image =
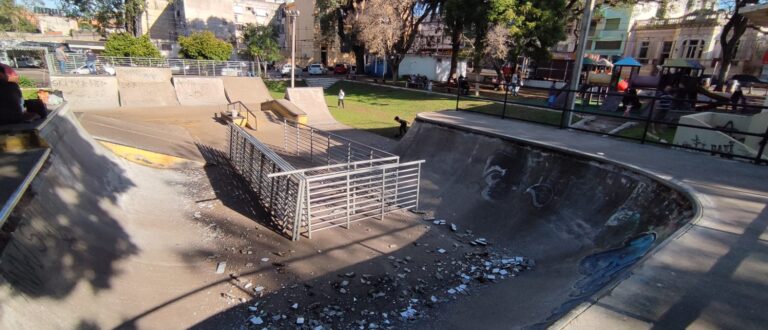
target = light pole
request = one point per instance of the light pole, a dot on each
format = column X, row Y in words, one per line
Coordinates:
column 570, row 104
column 293, row 13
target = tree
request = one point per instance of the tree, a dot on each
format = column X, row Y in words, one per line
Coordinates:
column 261, row 43
column 110, row 14
column 733, row 30
column 340, row 19
column 126, row 45
column 389, row 27
column 457, row 16
column 12, row 18
column 204, row 46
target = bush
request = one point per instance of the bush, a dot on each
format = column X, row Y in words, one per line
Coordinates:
column 204, row 46
column 126, row 45
column 25, row 82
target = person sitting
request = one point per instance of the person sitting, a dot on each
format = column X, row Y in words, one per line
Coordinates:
column 12, row 103
column 630, row 102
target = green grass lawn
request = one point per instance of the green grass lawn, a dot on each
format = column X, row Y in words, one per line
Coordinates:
column 374, row 108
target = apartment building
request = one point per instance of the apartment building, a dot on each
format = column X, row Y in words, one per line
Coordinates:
column 166, row 20
column 310, row 48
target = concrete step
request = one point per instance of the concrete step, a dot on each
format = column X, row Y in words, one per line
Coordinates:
column 320, row 82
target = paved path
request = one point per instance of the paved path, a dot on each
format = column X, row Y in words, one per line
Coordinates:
column 712, row 274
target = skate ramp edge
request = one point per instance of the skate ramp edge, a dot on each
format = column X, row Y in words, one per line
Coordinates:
column 145, row 87
column 88, row 92
column 311, row 100
column 285, row 109
column 249, row 90
column 558, row 206
column 197, row 91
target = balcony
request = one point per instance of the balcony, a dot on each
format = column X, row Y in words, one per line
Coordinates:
column 692, row 20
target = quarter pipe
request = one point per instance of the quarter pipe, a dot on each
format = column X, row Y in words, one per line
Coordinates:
column 145, row 87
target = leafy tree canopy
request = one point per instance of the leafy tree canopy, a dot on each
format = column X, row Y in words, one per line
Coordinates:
column 204, row 46
column 261, row 43
column 13, row 18
column 110, row 14
column 126, row 45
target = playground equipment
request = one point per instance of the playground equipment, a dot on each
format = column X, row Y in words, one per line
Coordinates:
column 611, row 102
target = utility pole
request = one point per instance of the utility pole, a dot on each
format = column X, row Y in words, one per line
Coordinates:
column 578, row 62
column 293, row 14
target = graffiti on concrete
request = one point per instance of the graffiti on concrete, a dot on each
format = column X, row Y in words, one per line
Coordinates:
column 541, row 193
column 498, row 176
column 698, row 143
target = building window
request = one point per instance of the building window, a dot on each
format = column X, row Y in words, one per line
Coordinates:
column 592, row 28
column 166, row 47
column 693, row 48
column 612, row 24
column 608, row 45
column 666, row 51
column 643, row 52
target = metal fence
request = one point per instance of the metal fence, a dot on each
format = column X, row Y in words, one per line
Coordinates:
column 77, row 64
column 712, row 126
column 339, row 181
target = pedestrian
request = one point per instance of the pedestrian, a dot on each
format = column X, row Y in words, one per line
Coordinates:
column 403, row 127
column 61, row 57
column 90, row 61
column 341, row 99
column 737, row 97
column 552, row 96
column 663, row 105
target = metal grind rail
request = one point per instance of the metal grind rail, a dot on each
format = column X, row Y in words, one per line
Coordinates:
column 354, row 181
column 323, row 148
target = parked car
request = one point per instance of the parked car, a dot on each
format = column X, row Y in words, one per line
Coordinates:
column 746, row 80
column 341, row 68
column 316, row 68
column 231, row 72
column 285, row 70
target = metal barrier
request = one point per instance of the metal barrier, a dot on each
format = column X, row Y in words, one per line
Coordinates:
column 646, row 124
column 340, row 182
column 76, row 64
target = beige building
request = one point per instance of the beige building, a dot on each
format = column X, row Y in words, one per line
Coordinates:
column 309, row 46
column 166, row 20
column 695, row 36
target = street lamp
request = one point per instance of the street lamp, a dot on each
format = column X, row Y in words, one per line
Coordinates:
column 293, row 13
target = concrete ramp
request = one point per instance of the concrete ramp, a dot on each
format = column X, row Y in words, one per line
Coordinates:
column 145, row 87
column 311, row 100
column 196, row 91
column 246, row 89
column 88, row 92
column 584, row 221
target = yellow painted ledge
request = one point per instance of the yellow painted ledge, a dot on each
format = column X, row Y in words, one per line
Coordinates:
column 150, row 158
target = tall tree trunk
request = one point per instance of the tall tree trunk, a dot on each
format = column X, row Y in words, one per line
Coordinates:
column 359, row 51
column 455, row 45
column 732, row 31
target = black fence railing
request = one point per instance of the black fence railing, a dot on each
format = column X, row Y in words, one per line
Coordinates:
column 715, row 125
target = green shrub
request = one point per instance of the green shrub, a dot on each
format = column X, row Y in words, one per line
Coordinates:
column 25, row 82
column 126, row 45
column 204, row 46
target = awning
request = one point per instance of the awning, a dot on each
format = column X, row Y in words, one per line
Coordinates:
column 79, row 44
column 628, row 61
column 757, row 14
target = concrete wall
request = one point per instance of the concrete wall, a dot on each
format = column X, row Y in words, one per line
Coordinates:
column 718, row 141
column 215, row 16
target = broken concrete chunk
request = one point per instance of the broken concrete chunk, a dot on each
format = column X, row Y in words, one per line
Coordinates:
column 440, row 250
column 256, row 320
column 299, row 320
column 295, row 306
column 264, row 259
column 221, row 267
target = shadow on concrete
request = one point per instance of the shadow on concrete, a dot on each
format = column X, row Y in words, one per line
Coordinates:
column 64, row 233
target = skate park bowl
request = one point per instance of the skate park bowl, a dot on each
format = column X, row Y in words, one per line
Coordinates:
column 586, row 222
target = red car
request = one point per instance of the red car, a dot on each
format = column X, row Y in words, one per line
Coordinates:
column 340, row 69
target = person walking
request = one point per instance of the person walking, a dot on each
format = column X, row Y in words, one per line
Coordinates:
column 90, row 61
column 403, row 127
column 341, row 99
column 61, row 57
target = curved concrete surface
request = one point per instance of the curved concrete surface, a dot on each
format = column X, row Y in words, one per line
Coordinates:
column 584, row 222
column 88, row 92
column 311, row 100
column 198, row 91
column 249, row 90
column 145, row 87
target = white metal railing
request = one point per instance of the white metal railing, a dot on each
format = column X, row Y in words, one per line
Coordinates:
column 341, row 182
column 76, row 64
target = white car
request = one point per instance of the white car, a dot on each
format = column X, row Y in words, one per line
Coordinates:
column 285, row 70
column 316, row 68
